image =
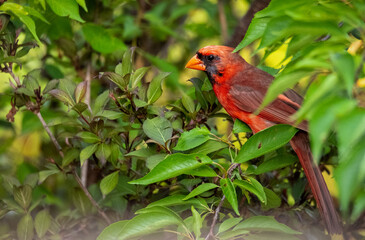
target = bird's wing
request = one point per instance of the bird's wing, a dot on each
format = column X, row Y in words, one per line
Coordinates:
column 249, row 99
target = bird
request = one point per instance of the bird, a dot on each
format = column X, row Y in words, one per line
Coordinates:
column 240, row 88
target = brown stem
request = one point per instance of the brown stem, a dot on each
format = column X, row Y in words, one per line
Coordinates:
column 88, row 195
column 245, row 21
column 215, row 218
column 222, row 21
column 85, row 166
column 50, row 134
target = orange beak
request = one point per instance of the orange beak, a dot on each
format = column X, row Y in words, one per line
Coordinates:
column 195, row 63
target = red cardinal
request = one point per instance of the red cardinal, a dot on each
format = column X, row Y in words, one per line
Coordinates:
column 240, row 88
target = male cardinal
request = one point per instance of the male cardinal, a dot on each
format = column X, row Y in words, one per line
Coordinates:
column 240, row 88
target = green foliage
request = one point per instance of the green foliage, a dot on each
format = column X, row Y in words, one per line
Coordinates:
column 156, row 159
column 316, row 48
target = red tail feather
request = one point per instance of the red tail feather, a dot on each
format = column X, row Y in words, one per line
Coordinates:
column 300, row 144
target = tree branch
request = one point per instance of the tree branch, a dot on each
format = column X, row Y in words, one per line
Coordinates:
column 88, row 195
column 245, row 21
column 50, row 134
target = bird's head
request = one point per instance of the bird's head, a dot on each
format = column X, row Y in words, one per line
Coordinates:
column 219, row 62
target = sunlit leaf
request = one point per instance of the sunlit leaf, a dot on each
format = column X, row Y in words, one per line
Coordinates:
column 265, row 141
column 174, row 165
column 230, row 192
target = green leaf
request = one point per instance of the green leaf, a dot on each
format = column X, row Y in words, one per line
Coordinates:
column 108, row 183
column 230, row 192
column 174, row 165
column 23, row 195
column 32, row 179
column 239, row 127
column 228, row 224
column 101, row 40
column 113, row 231
column 126, row 67
column 23, row 16
column 275, row 163
column 68, row 86
column 81, row 202
column 253, row 186
column 265, row 141
column 88, row 137
column 209, row 147
column 350, row 174
column 109, row 114
column 203, row 171
column 62, row 96
column 87, row 152
column 80, row 91
column 177, row 200
column 265, row 223
column 273, row 201
column 345, row 66
column 103, row 152
column 119, row 80
column 65, row 8
column 197, row 222
column 198, row 83
column 82, row 4
column 70, row 155
column 158, row 129
column 138, row 75
column 192, row 139
column 255, row 30
column 43, row 175
column 79, row 107
column 25, row 228
column 350, row 129
column 100, row 102
column 323, row 118
column 143, row 224
column 201, row 189
column 155, row 159
column 42, row 223
column 32, row 11
column 50, row 86
column 188, row 103
column 155, row 90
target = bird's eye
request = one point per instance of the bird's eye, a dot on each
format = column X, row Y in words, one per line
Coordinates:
column 210, row 57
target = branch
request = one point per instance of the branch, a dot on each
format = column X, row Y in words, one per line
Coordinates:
column 215, row 218
column 50, row 134
column 222, row 21
column 245, row 21
column 88, row 195
column 85, row 166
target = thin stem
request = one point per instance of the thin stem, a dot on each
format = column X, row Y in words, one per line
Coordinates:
column 93, row 202
column 50, row 134
column 222, row 21
column 57, row 145
column 85, row 166
column 215, row 218
column 16, row 78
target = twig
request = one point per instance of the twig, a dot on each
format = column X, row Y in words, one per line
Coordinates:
column 85, row 166
column 50, row 134
column 93, row 202
column 57, row 145
column 16, row 78
column 245, row 21
column 217, row 210
column 222, row 21
column 215, row 218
